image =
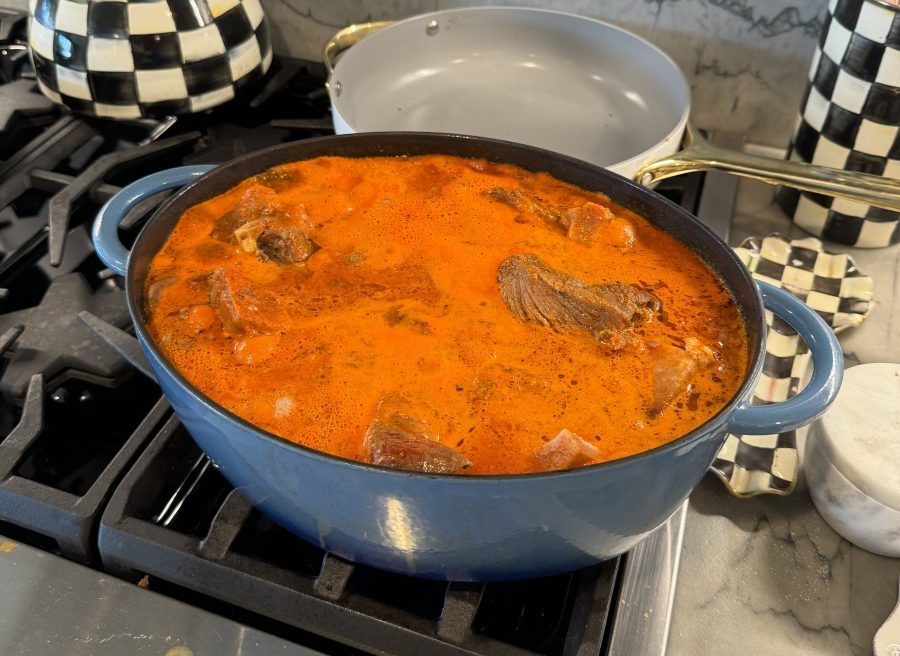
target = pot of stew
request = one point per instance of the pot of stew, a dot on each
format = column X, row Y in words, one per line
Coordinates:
column 447, row 356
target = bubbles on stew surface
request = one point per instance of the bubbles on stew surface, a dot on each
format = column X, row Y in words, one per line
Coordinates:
column 428, row 240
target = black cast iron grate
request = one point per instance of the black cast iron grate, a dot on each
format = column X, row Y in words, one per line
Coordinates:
column 218, row 545
column 58, row 464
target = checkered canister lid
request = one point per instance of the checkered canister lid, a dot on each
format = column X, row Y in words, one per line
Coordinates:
column 132, row 58
column 850, row 119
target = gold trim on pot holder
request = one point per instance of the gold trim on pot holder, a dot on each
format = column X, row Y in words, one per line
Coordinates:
column 830, row 284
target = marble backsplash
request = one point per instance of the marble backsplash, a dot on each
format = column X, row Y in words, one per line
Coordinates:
column 746, row 60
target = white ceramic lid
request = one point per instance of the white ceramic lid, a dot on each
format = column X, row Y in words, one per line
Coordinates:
column 860, row 433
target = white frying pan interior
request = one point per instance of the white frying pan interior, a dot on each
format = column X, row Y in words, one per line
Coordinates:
column 566, row 83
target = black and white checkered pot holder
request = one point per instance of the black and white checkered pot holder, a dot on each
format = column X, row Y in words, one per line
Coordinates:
column 831, row 285
column 126, row 59
column 850, row 119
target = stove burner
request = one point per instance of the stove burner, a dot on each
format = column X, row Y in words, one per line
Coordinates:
column 56, row 343
column 54, row 479
column 71, row 462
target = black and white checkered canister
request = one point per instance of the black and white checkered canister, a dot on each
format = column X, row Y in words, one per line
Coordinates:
column 130, row 58
column 850, row 119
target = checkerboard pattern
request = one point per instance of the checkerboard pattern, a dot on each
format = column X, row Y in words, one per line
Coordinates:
column 850, row 119
column 833, row 286
column 126, row 59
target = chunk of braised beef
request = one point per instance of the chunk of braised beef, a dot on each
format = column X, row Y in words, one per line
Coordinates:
column 537, row 293
column 406, row 281
column 285, row 243
column 400, row 440
column 582, row 222
column 392, row 445
column 565, row 451
column 525, row 203
column 156, row 287
column 257, row 206
column 430, row 179
column 239, row 305
column 587, row 224
column 592, row 223
column 225, row 225
column 258, row 202
column 673, row 370
column 279, row 177
column 282, row 239
column 704, row 355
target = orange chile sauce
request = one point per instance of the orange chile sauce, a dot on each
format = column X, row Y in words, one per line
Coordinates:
column 331, row 355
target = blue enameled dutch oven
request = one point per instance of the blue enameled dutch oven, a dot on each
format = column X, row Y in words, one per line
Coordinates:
column 455, row 526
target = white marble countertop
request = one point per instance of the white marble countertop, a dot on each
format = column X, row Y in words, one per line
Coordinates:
column 768, row 575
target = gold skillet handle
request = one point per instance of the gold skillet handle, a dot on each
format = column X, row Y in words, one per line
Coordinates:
column 700, row 155
column 347, row 37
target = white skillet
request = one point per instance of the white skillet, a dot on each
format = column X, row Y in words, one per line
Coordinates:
column 570, row 84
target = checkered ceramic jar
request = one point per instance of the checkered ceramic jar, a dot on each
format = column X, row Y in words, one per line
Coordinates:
column 132, row 58
column 850, row 119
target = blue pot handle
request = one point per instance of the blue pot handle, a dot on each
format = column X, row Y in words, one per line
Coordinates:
column 828, row 371
column 105, row 232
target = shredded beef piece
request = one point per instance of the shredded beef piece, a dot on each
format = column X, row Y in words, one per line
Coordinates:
column 566, row 450
column 537, row 293
column 241, row 307
column 522, row 201
column 673, row 370
column 400, row 440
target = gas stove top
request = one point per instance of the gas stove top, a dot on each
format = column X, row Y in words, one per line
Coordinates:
column 95, row 468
